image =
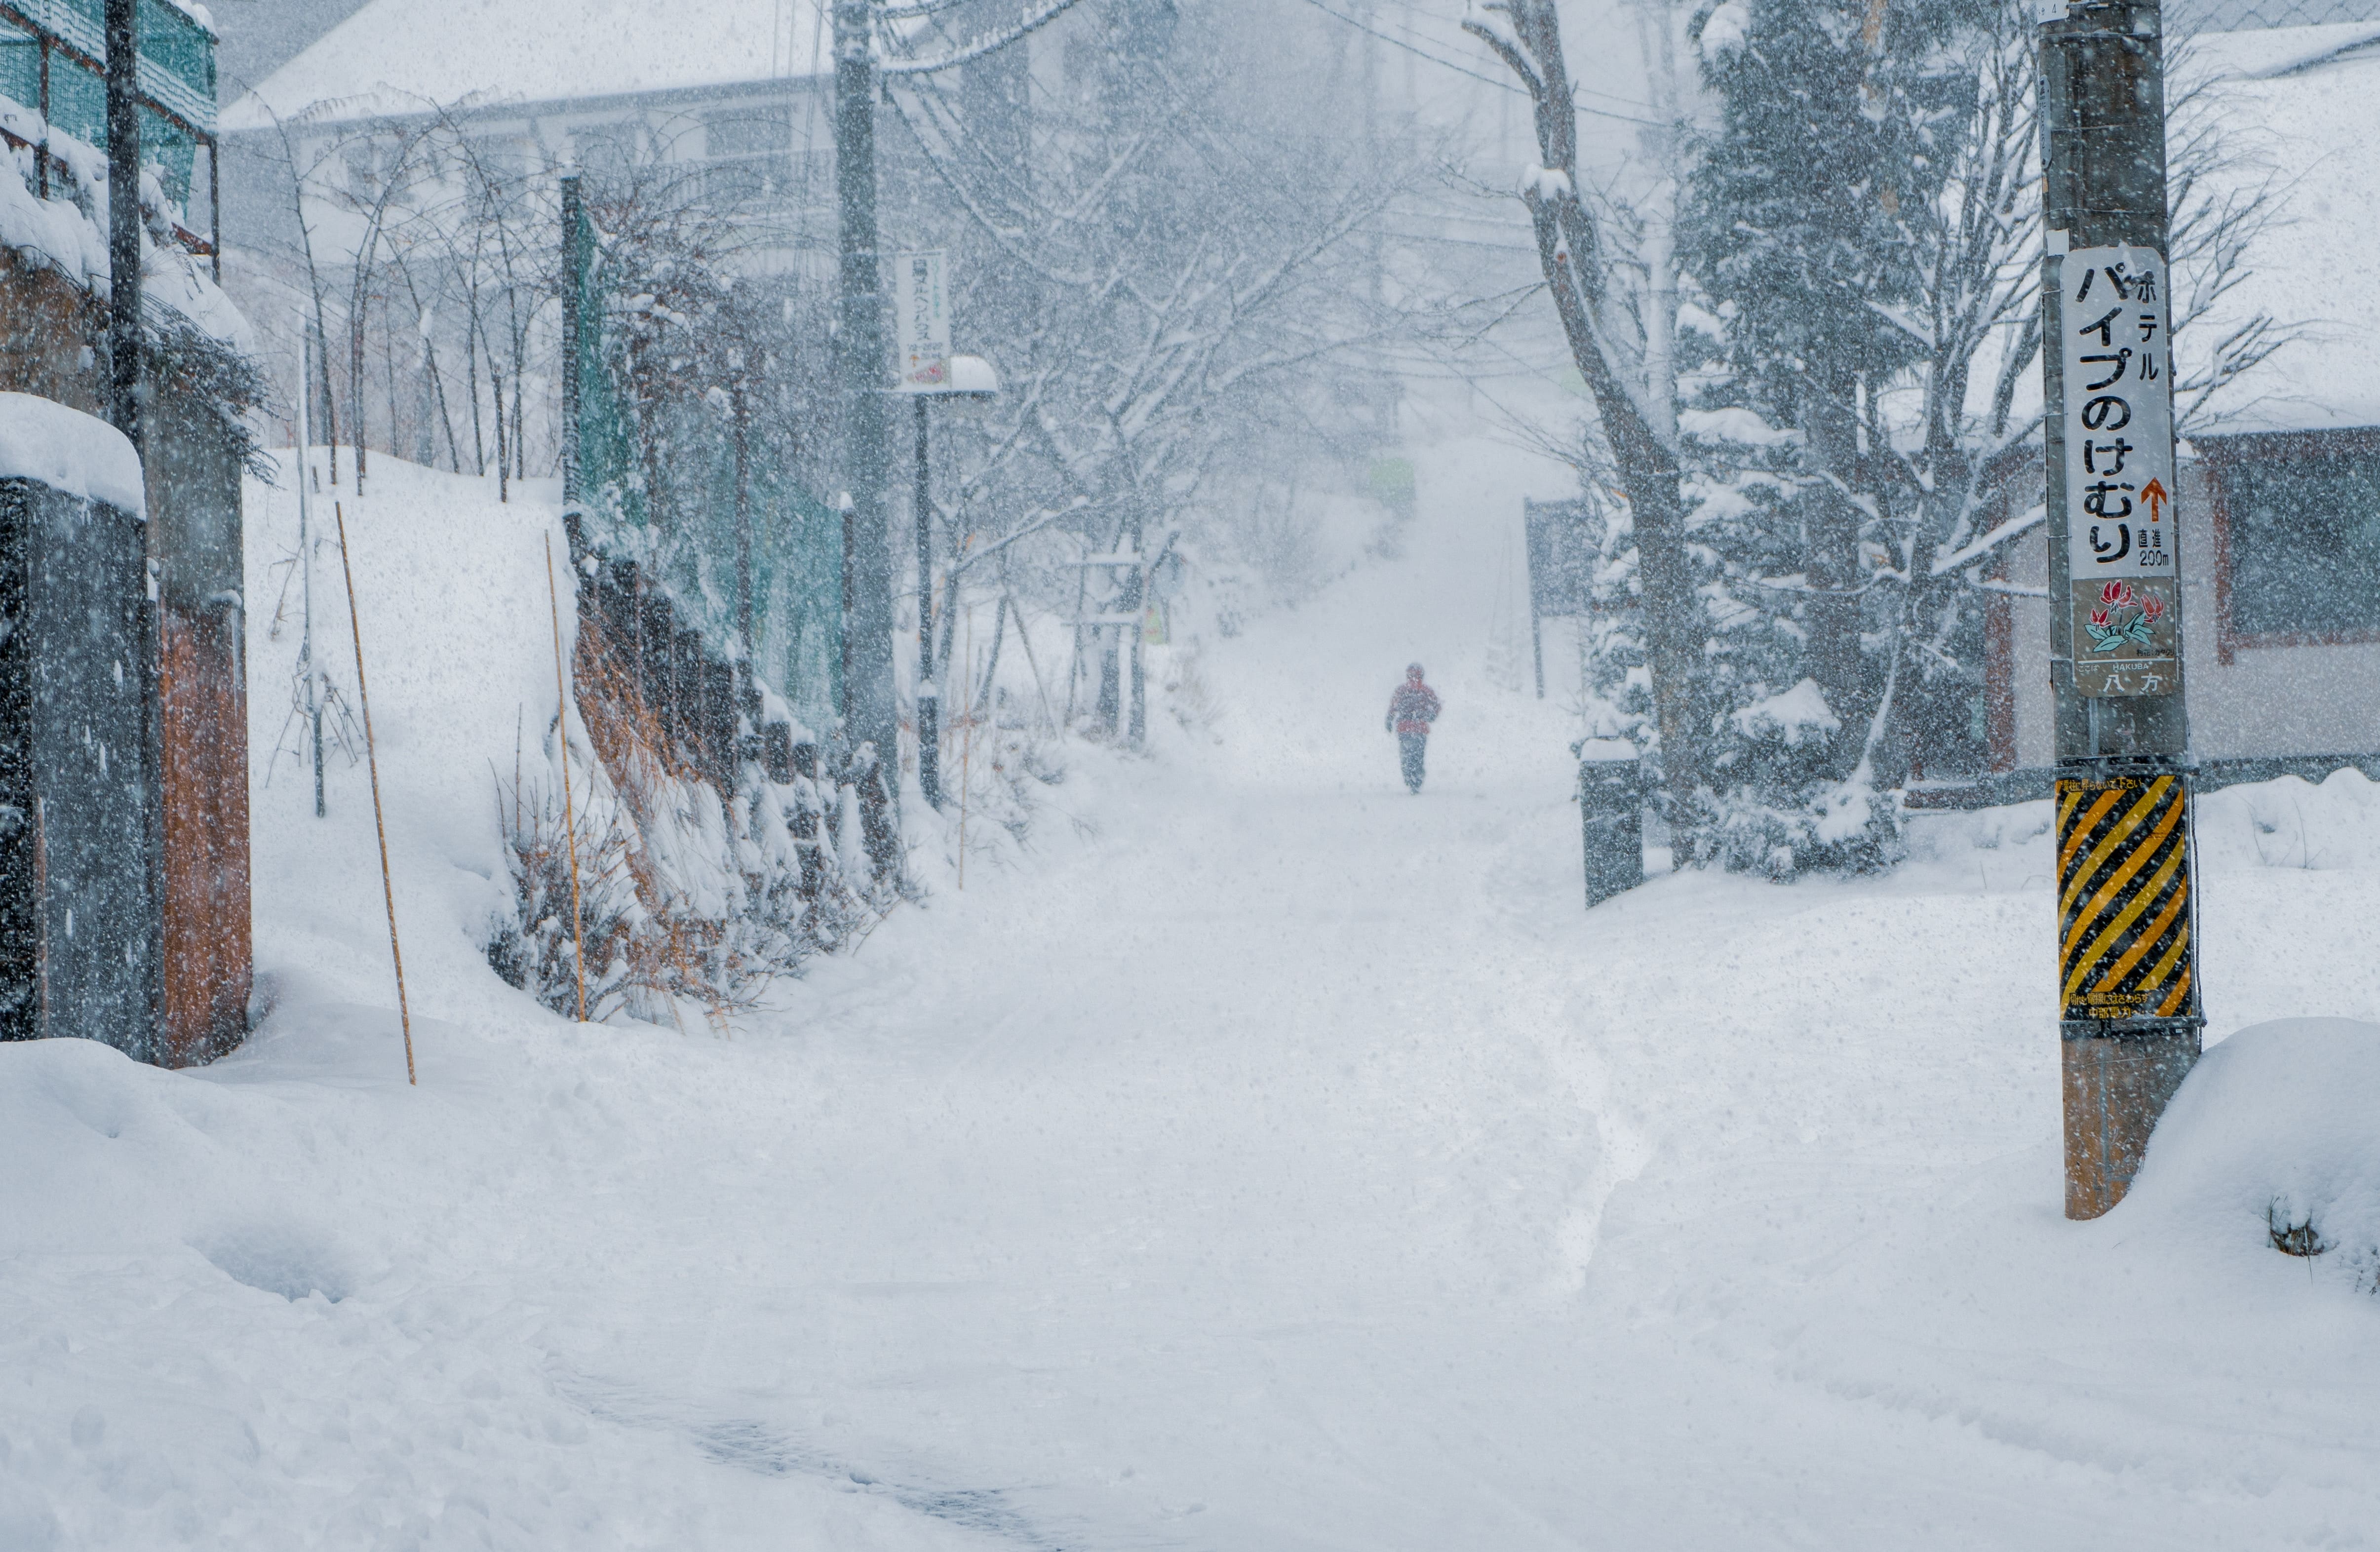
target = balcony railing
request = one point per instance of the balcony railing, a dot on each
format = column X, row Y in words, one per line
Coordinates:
column 53, row 60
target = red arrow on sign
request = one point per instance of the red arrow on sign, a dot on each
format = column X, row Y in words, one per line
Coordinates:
column 2155, row 494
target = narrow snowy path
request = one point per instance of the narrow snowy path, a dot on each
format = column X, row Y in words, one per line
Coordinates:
column 1286, row 1162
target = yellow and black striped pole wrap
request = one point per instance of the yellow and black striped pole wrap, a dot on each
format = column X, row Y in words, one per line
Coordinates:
column 2123, row 899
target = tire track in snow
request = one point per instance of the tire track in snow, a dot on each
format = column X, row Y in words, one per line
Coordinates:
column 750, row 1445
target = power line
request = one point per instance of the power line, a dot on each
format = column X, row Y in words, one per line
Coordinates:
column 1411, row 31
column 1369, row 31
column 1398, row 42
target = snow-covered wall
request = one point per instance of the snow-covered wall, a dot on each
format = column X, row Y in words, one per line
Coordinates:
column 69, row 451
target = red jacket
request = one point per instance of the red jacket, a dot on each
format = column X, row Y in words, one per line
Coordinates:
column 1412, row 707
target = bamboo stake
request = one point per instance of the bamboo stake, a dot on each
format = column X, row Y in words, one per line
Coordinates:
column 569, row 820
column 371, row 763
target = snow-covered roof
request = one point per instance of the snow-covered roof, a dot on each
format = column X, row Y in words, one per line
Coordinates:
column 2237, row 16
column 2300, row 113
column 401, row 57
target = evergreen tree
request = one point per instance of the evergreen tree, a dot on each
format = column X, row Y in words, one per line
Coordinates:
column 1806, row 228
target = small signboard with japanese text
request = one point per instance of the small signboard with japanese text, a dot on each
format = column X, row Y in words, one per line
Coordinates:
column 2123, row 553
column 921, row 307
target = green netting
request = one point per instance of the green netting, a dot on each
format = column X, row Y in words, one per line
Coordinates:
column 178, row 61
column 796, row 539
column 21, row 67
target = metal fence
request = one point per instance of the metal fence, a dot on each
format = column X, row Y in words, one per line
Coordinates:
column 2239, row 16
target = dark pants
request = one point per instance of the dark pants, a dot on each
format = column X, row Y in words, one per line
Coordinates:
column 1410, row 746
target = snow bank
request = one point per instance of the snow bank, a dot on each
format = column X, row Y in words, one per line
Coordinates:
column 458, row 644
column 2278, row 1129
column 282, row 1305
column 69, row 451
column 1281, row 1160
column 2293, row 823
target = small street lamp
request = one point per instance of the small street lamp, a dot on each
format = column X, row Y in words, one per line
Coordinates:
column 971, row 382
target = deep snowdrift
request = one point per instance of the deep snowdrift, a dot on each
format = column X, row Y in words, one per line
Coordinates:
column 1258, row 1157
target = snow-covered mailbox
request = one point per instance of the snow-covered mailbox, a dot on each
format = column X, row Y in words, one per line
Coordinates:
column 79, row 941
column 181, row 783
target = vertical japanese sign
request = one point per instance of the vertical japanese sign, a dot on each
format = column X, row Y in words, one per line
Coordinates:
column 2123, row 539
column 921, row 305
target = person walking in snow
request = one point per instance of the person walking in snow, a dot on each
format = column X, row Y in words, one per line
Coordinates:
column 1411, row 710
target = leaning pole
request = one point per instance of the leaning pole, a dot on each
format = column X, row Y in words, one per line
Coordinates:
column 2129, row 1004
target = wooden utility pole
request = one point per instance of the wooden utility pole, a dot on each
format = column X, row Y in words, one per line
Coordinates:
column 2129, row 1017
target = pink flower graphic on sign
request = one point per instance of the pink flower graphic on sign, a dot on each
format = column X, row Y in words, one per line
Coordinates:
column 2123, row 618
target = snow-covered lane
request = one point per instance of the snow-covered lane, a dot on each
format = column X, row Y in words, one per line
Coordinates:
column 1265, row 1159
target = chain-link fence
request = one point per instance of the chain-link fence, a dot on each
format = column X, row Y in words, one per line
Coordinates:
column 2237, row 16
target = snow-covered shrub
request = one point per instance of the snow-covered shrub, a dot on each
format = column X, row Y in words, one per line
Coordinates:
column 538, row 949
column 679, row 895
column 1783, row 812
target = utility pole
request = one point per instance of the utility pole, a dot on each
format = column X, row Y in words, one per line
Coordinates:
column 869, row 716
column 2129, row 1010
column 124, row 219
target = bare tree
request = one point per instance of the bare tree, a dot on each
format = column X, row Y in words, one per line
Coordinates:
column 1160, row 288
column 1604, row 321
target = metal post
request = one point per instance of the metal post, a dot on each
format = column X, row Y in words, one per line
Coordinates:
column 929, row 731
column 41, row 152
column 1136, row 729
column 871, row 716
column 573, row 282
column 312, row 671
column 2129, row 996
column 214, row 206
column 124, row 219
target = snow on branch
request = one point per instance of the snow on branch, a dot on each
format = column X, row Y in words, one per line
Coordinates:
column 1968, row 554
column 990, row 43
column 1543, row 183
